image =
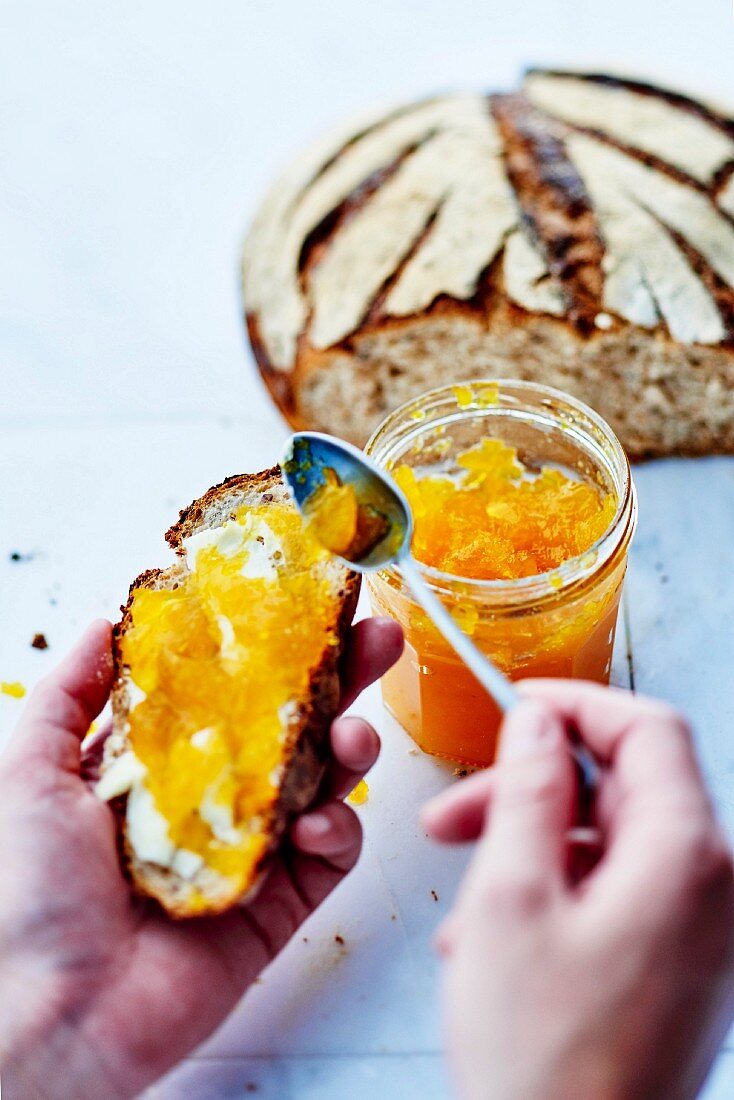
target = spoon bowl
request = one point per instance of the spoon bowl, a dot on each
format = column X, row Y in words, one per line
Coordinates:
column 307, row 457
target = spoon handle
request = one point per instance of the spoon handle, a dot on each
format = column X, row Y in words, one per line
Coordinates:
column 489, row 676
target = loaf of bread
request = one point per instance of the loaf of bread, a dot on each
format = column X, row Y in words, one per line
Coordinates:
column 227, row 679
column 578, row 233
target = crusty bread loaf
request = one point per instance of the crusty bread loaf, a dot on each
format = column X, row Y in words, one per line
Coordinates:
column 579, row 233
column 305, row 728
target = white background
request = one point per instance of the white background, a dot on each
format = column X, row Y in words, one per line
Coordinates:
column 135, row 142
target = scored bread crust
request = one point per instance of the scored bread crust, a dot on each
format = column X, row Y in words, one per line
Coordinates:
column 306, row 746
column 606, row 265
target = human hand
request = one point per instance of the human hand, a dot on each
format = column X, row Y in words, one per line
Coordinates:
column 100, row 993
column 615, row 986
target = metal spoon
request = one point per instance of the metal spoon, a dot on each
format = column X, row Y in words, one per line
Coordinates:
column 307, row 456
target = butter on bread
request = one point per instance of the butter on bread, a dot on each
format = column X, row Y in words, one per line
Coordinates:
column 227, row 680
column 578, row 232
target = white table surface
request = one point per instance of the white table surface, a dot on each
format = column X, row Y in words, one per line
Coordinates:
column 136, row 142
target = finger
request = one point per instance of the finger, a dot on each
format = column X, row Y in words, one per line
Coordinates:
column 648, row 742
column 91, row 753
column 532, row 805
column 66, row 702
column 602, row 715
column 332, row 832
column 459, row 813
column 655, row 810
column 374, row 646
column 355, row 747
column 324, row 845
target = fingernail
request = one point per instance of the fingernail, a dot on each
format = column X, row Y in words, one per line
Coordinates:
column 319, row 824
column 529, row 730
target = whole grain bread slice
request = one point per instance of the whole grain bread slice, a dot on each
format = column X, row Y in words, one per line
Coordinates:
column 305, row 745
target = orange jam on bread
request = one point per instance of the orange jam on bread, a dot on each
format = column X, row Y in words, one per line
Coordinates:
column 523, row 510
column 217, row 666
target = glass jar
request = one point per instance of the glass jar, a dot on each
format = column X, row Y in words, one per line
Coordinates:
column 559, row 624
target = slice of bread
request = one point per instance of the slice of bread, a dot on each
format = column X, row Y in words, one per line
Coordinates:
column 184, row 883
column 578, row 233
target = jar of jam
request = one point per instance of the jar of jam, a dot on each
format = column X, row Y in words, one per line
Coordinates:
column 524, row 508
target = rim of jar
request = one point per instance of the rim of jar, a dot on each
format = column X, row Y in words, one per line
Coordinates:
column 529, row 400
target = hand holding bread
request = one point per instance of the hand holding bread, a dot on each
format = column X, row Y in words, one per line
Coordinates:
column 100, row 993
column 617, row 983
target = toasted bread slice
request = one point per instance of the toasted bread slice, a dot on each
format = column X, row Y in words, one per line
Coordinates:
column 233, row 669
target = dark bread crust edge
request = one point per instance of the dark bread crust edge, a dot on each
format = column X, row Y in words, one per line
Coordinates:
column 190, row 517
column 306, row 747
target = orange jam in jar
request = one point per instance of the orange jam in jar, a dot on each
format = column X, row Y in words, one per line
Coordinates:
column 524, row 508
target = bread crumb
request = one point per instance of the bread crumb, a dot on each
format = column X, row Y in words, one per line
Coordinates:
column 339, row 939
column 434, row 895
column 461, row 773
column 39, row 641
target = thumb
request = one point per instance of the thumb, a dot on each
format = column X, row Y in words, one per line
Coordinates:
column 533, row 802
column 63, row 705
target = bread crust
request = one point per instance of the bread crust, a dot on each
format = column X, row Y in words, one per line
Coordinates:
column 663, row 394
column 306, row 746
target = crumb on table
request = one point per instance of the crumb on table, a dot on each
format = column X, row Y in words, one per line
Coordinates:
column 434, row 895
column 39, row 641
